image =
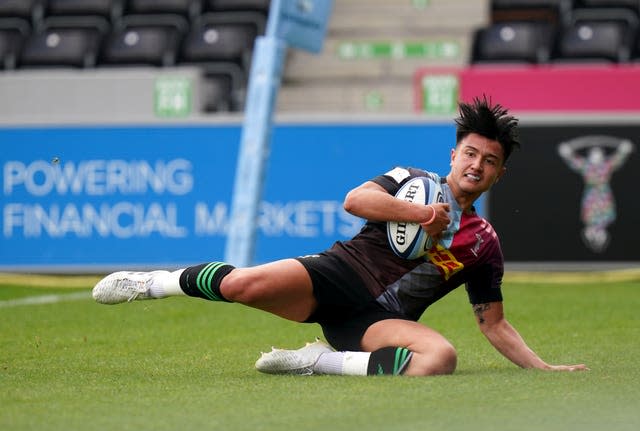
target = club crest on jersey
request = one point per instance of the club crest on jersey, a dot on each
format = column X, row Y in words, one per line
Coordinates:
column 444, row 260
column 476, row 248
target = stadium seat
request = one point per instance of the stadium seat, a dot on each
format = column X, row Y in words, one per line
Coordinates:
column 261, row 6
column 64, row 42
column 519, row 42
column 223, row 37
column 108, row 9
column 603, row 35
column 30, row 10
column 13, row 32
column 233, row 78
column 632, row 5
column 139, row 40
column 552, row 11
column 221, row 45
column 186, row 8
column 217, row 93
column 636, row 50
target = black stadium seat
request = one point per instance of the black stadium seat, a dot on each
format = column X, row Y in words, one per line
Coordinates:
column 30, row 10
column 13, row 32
column 186, row 8
column 632, row 5
column 217, row 93
column 221, row 44
column 237, row 5
column 64, row 42
column 144, row 40
column 603, row 35
column 636, row 50
column 223, row 37
column 551, row 11
column 519, row 42
column 105, row 8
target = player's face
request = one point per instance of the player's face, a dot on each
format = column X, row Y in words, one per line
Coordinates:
column 476, row 164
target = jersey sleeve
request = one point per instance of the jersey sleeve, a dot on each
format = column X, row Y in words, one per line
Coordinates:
column 484, row 284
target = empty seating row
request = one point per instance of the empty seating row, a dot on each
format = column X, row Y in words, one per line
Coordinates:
column 585, row 35
column 156, row 40
column 34, row 10
column 86, row 33
column 90, row 33
column 553, row 11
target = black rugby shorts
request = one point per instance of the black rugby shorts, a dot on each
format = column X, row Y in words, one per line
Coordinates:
column 345, row 307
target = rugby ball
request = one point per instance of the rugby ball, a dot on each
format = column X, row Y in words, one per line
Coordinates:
column 409, row 240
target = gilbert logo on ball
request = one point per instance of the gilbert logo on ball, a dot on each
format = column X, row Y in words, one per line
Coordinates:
column 409, row 240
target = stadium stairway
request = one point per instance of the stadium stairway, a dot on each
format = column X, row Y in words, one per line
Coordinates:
column 372, row 51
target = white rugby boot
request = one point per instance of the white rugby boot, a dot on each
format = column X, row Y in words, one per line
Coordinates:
column 126, row 286
column 301, row 361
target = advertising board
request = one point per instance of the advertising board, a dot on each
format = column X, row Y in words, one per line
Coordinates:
column 102, row 197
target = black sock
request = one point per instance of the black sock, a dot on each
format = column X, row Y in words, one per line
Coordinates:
column 203, row 281
column 389, row 360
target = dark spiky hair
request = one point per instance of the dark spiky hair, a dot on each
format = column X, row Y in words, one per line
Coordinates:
column 491, row 121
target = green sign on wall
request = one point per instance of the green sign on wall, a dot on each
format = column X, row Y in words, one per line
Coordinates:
column 172, row 97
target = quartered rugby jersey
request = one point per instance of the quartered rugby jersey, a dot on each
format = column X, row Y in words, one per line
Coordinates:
column 469, row 254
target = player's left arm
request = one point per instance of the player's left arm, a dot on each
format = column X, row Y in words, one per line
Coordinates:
column 504, row 337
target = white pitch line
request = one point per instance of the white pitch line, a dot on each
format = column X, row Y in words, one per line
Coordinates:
column 44, row 299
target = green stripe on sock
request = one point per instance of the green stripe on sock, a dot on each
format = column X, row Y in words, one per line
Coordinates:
column 396, row 361
column 400, row 359
column 205, row 276
column 210, row 276
column 200, row 284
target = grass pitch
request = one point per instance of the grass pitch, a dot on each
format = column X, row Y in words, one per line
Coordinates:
column 67, row 363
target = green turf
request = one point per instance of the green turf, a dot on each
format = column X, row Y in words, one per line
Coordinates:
column 185, row 364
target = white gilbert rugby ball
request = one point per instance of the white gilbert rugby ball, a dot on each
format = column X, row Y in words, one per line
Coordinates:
column 409, row 240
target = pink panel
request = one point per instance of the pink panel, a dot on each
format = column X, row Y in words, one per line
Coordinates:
column 549, row 88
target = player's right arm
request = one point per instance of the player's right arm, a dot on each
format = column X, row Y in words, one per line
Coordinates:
column 372, row 202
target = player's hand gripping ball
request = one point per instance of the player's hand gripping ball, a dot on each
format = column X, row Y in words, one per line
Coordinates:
column 409, row 240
